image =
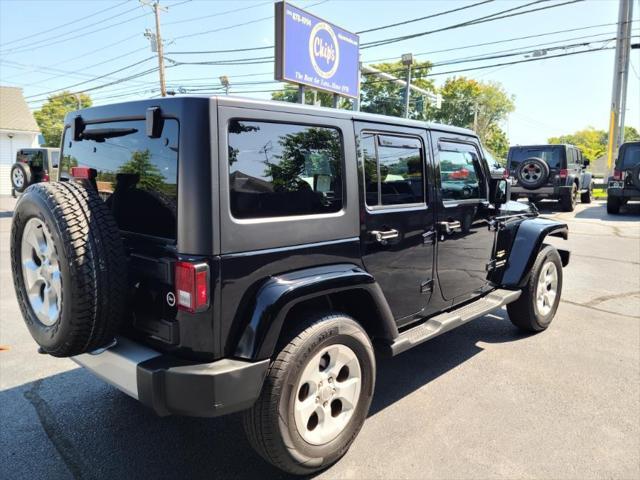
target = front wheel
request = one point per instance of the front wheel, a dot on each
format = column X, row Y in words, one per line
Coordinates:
column 316, row 396
column 587, row 197
column 536, row 307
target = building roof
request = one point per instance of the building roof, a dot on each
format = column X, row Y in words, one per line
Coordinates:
column 14, row 111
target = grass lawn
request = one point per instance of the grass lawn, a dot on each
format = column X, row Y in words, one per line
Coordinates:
column 599, row 193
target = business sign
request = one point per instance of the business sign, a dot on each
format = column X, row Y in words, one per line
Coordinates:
column 313, row 52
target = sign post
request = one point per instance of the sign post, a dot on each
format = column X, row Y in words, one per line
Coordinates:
column 312, row 52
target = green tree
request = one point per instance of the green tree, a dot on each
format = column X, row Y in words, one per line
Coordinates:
column 150, row 176
column 497, row 142
column 590, row 141
column 50, row 117
column 385, row 97
column 631, row 134
column 481, row 106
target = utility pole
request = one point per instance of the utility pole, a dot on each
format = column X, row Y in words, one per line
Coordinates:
column 620, row 77
column 158, row 42
column 407, row 61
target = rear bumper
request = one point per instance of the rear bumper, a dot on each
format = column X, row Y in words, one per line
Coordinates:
column 542, row 192
column 170, row 385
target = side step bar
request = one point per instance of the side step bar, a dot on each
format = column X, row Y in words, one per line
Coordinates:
column 447, row 321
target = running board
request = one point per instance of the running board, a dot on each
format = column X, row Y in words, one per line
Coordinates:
column 447, row 321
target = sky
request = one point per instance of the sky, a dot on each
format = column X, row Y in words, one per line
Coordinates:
column 47, row 45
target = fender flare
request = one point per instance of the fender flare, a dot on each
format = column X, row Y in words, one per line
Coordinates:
column 280, row 293
column 525, row 247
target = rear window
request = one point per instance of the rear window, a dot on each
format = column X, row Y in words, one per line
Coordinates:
column 33, row 158
column 137, row 175
column 552, row 156
column 631, row 156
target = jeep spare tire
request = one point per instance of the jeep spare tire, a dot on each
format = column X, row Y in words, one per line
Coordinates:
column 69, row 268
column 20, row 176
column 533, row 173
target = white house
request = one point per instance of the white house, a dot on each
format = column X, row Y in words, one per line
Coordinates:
column 18, row 129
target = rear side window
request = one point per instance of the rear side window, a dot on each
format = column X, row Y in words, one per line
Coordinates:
column 552, row 156
column 137, row 175
column 393, row 169
column 55, row 157
column 284, row 169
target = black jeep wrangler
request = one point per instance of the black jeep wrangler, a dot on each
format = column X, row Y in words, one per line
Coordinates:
column 554, row 172
column 212, row 255
column 33, row 165
column 624, row 185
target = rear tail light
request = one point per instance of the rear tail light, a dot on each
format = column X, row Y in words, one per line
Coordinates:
column 45, row 177
column 617, row 175
column 564, row 173
column 83, row 172
column 192, row 286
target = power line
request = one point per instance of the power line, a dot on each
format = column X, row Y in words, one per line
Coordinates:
column 48, row 41
column 229, row 27
column 413, row 20
column 219, row 14
column 32, row 35
column 68, row 87
column 506, row 40
column 234, row 50
column 488, row 18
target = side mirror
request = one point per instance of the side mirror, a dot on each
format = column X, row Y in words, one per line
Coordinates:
column 500, row 191
column 586, row 163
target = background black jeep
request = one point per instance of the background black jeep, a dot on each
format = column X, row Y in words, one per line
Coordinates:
column 624, row 185
column 554, row 172
column 34, row 165
column 213, row 255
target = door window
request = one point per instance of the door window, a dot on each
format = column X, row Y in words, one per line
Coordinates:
column 393, row 169
column 283, row 169
column 460, row 173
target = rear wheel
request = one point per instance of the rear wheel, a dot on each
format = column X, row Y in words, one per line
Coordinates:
column 68, row 267
column 568, row 202
column 536, row 307
column 613, row 205
column 316, row 396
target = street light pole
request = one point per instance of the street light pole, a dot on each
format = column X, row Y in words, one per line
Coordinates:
column 407, row 60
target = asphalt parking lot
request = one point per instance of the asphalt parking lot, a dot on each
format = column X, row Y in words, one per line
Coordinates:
column 482, row 401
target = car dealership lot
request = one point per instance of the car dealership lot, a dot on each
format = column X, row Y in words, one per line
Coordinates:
column 482, row 401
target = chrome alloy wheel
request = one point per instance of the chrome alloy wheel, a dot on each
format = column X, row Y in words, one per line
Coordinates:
column 41, row 272
column 327, row 394
column 531, row 173
column 547, row 288
column 18, row 178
